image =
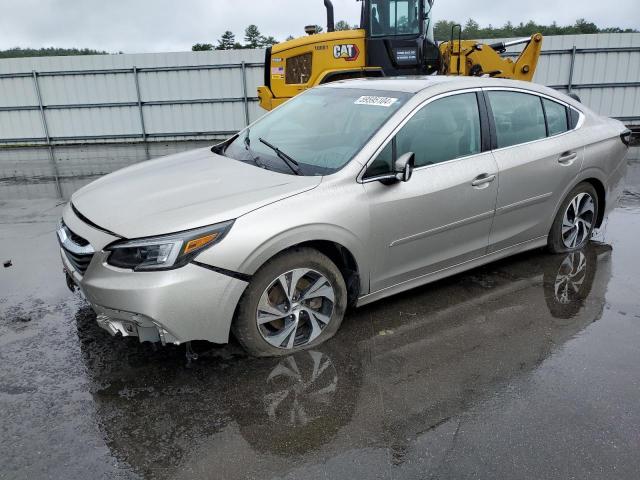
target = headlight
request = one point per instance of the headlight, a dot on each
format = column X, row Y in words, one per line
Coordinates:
column 167, row 251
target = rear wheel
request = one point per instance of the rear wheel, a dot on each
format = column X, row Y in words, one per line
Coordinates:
column 295, row 301
column 575, row 221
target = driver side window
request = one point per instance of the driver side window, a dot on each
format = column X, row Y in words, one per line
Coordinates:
column 443, row 130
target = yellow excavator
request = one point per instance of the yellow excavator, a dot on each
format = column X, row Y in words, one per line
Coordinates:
column 395, row 38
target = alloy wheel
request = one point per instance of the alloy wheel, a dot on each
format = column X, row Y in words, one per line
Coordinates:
column 295, row 308
column 577, row 221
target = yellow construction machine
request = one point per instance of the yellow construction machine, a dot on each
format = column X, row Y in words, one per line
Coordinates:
column 395, row 38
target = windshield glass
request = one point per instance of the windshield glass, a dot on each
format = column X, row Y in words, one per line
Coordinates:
column 394, row 17
column 321, row 130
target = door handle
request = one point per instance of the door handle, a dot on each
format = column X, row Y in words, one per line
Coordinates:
column 483, row 179
column 567, row 158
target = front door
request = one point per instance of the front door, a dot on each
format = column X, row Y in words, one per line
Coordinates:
column 442, row 216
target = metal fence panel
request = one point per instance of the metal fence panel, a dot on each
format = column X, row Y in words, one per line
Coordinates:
column 17, row 91
column 605, row 71
column 132, row 97
column 75, row 118
column 23, row 124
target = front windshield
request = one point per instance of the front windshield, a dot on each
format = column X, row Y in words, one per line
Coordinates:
column 394, row 17
column 321, row 129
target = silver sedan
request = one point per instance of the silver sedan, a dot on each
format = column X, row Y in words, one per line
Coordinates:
column 344, row 195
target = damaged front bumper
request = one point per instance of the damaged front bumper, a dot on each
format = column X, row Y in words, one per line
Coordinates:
column 176, row 306
column 126, row 324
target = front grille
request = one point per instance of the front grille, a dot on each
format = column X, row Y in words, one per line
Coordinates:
column 77, row 239
column 79, row 262
column 77, row 249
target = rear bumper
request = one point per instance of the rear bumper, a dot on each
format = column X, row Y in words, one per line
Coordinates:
column 174, row 306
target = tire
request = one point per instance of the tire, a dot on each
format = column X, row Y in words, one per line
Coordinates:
column 584, row 199
column 275, row 297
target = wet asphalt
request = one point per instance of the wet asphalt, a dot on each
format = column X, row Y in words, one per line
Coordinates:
column 528, row 368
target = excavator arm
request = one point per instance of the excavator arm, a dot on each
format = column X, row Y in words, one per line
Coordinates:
column 471, row 58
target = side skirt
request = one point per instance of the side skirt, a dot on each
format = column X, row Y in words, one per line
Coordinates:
column 454, row 269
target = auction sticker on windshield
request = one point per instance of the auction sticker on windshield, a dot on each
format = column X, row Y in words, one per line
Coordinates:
column 377, row 101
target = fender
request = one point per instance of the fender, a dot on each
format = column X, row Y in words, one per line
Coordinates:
column 247, row 262
column 308, row 233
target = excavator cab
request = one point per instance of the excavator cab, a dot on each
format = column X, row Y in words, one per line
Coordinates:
column 395, row 38
column 399, row 36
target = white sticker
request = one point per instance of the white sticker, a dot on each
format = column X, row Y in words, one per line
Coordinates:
column 377, row 101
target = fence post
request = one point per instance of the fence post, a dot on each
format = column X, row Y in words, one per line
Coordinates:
column 571, row 67
column 244, row 93
column 141, row 113
column 45, row 128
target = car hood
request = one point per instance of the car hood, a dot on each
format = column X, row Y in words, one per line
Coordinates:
column 182, row 191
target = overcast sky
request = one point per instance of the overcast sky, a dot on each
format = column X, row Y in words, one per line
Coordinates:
column 172, row 25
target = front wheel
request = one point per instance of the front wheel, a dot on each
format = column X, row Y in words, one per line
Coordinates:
column 575, row 221
column 295, row 301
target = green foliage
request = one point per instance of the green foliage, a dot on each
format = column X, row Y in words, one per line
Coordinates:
column 472, row 30
column 201, row 47
column 342, row 25
column 18, row 52
column 252, row 37
column 227, row 41
column 267, row 41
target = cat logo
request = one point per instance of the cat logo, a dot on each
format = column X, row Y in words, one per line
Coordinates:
column 349, row 52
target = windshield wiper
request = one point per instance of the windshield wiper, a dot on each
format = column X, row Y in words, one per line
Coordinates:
column 290, row 162
column 253, row 156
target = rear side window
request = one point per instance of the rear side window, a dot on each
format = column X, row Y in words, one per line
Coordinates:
column 556, row 117
column 518, row 117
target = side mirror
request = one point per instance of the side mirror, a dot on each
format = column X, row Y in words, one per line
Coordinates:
column 403, row 166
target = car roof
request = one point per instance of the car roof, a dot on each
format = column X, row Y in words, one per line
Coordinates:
column 415, row 84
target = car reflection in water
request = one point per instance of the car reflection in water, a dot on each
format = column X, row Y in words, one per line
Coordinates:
column 396, row 369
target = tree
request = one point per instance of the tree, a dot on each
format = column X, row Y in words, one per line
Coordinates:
column 17, row 52
column 290, row 37
column 342, row 25
column 582, row 26
column 252, row 37
column 201, row 47
column 267, row 41
column 442, row 30
column 227, row 41
column 471, row 29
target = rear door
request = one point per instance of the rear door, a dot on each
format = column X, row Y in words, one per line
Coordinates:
column 442, row 216
column 538, row 156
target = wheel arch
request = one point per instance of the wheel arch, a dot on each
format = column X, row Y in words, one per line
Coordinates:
column 594, row 177
column 344, row 260
column 602, row 197
column 341, row 246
